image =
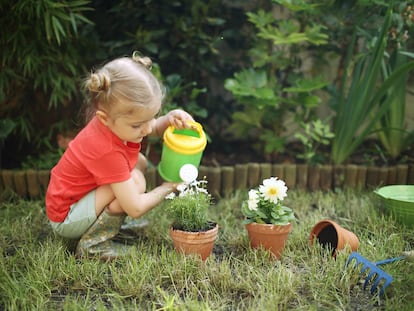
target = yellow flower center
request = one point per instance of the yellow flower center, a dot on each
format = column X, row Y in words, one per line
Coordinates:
column 272, row 191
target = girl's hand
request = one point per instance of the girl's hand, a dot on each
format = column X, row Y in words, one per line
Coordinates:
column 179, row 119
column 170, row 186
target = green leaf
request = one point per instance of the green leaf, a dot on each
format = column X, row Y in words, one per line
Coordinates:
column 261, row 214
column 57, row 29
column 6, row 127
column 307, row 85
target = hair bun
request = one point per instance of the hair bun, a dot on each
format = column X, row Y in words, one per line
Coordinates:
column 143, row 60
column 99, row 81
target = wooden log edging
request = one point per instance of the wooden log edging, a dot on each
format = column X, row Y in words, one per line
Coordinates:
column 223, row 181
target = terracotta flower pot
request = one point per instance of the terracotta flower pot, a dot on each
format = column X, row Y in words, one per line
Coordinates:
column 270, row 237
column 200, row 243
column 329, row 234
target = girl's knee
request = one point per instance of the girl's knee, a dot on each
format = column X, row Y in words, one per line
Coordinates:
column 142, row 164
column 114, row 208
column 139, row 179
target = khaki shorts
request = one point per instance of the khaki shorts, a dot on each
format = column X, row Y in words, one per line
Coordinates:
column 81, row 216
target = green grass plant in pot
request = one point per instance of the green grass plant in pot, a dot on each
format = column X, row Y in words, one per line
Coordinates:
column 191, row 230
column 268, row 221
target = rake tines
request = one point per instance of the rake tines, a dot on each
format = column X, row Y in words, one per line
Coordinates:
column 378, row 278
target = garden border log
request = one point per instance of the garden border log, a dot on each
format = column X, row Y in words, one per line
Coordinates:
column 278, row 171
column 351, row 175
column 372, row 176
column 382, row 176
column 325, row 181
column 410, row 177
column 43, row 177
column 392, row 175
column 214, row 181
column 222, row 181
column 338, row 176
column 265, row 170
column 227, row 180
column 253, row 176
column 314, row 177
column 202, row 171
column 33, row 186
column 302, row 176
column 362, row 177
column 402, row 172
column 20, row 183
column 240, row 176
column 8, row 179
column 290, row 175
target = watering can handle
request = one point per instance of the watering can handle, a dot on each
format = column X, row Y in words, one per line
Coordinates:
column 195, row 126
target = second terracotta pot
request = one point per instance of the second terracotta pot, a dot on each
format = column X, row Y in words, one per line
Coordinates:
column 329, row 234
column 199, row 243
column 270, row 237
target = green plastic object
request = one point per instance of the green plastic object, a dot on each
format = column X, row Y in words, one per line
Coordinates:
column 181, row 147
column 398, row 200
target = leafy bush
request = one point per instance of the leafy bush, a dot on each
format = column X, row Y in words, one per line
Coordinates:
column 315, row 134
column 41, row 67
column 44, row 161
column 41, row 62
column 276, row 82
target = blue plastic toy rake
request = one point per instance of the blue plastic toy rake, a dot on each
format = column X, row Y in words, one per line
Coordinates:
column 375, row 276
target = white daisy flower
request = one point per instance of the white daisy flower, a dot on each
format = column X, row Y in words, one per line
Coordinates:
column 181, row 187
column 253, row 200
column 170, row 196
column 273, row 189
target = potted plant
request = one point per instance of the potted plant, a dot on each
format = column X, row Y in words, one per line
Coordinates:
column 268, row 221
column 191, row 230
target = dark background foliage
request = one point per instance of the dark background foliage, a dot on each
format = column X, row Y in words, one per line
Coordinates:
column 48, row 47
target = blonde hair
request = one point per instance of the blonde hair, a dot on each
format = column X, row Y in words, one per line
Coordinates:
column 127, row 80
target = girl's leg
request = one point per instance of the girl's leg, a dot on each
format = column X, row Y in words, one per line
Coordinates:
column 105, row 197
column 97, row 240
column 132, row 227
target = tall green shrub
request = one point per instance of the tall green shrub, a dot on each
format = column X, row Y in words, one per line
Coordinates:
column 392, row 131
column 275, row 82
column 360, row 103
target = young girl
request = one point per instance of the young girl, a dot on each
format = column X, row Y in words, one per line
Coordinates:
column 99, row 179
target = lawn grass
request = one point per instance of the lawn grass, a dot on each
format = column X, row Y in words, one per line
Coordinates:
column 38, row 271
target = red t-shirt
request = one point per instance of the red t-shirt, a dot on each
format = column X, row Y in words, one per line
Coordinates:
column 95, row 157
